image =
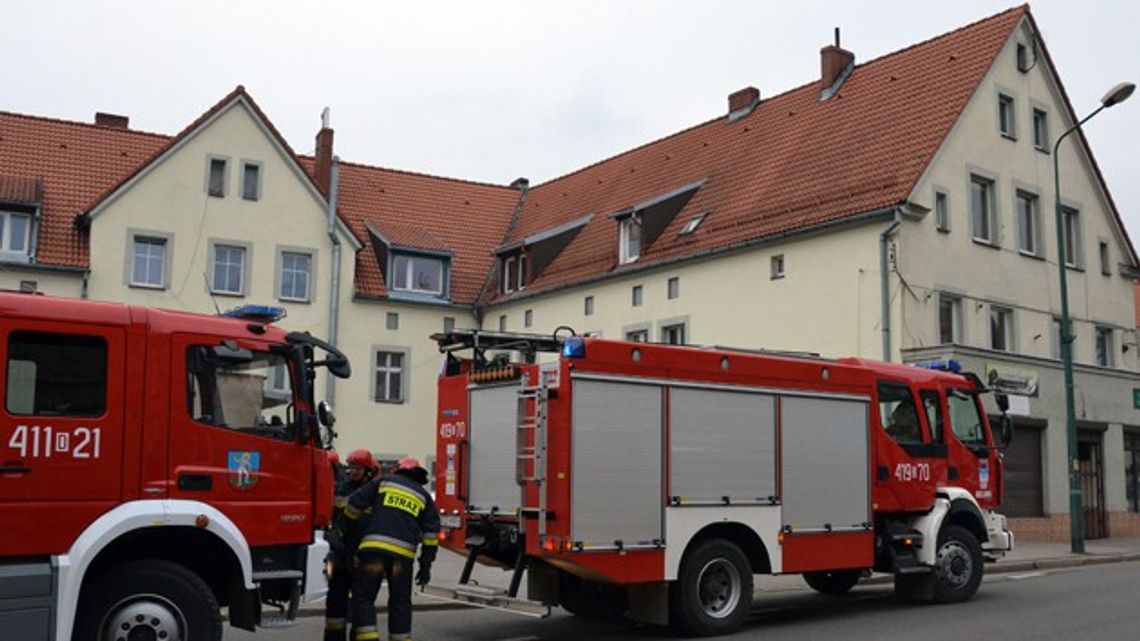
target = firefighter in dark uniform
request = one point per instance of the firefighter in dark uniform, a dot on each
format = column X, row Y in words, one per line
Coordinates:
column 403, row 516
column 360, row 469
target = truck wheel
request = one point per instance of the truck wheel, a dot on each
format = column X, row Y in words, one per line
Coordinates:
column 591, row 599
column 958, row 565
column 713, row 592
column 833, row 582
column 149, row 599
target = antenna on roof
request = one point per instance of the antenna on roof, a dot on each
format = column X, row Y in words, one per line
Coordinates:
column 837, row 36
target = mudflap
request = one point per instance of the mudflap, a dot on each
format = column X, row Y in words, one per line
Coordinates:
column 245, row 609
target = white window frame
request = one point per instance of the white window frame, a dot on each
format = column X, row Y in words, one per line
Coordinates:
column 387, row 370
column 1009, row 335
column 691, row 225
column 673, row 288
column 629, row 251
column 225, row 162
column 1028, row 223
column 502, row 322
column 448, row 324
column 955, row 301
column 1041, row 129
column 665, row 326
column 528, row 318
column 392, row 321
column 1071, row 220
column 1055, row 337
column 1105, row 258
column 987, row 217
column 777, row 267
column 941, row 210
column 588, row 306
column 1007, row 115
column 283, row 277
column 243, row 267
column 7, row 253
column 636, row 296
column 157, row 239
column 245, row 165
column 1103, row 342
column 410, row 271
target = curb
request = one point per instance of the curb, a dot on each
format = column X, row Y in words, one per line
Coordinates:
column 877, row 579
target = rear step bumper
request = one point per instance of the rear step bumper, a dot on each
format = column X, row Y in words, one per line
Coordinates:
column 486, row 597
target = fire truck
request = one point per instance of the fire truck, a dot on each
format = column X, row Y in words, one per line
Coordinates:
column 156, row 466
column 653, row 481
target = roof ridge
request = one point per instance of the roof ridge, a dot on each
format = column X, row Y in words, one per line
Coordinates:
column 1024, row 8
column 89, row 125
column 408, row 172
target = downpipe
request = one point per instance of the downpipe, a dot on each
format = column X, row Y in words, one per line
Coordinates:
column 334, row 302
column 885, row 285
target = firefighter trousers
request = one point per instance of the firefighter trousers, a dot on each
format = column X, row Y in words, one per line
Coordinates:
column 336, row 601
column 371, row 571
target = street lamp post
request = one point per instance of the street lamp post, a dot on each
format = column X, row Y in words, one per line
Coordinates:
column 1116, row 95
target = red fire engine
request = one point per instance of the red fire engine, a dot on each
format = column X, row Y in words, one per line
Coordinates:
column 655, row 480
column 155, row 466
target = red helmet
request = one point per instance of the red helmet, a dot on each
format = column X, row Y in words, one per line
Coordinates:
column 363, row 458
column 334, row 458
column 411, row 466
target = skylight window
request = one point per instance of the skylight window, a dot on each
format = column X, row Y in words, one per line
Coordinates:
column 691, row 225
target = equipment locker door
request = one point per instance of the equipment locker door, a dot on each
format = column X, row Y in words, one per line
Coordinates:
column 234, row 442
column 61, row 427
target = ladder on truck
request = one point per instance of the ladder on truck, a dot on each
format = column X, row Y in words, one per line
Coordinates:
column 530, row 467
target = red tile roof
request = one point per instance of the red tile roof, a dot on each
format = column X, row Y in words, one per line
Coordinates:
column 794, row 162
column 76, row 162
column 21, row 191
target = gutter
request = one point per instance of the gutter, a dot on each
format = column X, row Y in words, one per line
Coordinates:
column 334, row 302
column 884, row 281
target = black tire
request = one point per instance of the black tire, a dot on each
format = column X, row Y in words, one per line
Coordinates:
column 832, row 582
column 958, row 565
column 151, row 593
column 713, row 591
column 590, row 599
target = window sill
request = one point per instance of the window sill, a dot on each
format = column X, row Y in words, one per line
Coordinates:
column 146, row 286
column 250, row 198
column 1076, row 268
column 1044, row 150
column 942, row 230
column 215, row 195
column 1009, row 137
column 986, row 243
column 777, row 277
column 295, row 301
column 380, row 401
column 1029, row 254
column 214, row 292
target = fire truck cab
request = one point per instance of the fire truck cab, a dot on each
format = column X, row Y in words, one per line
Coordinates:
column 156, row 466
column 654, row 480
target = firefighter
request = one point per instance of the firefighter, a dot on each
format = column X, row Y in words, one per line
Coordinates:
column 403, row 516
column 360, row 469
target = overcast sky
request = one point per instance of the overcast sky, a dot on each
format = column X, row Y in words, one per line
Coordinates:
column 491, row 91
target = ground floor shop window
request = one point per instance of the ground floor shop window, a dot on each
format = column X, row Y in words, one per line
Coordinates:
column 1132, row 470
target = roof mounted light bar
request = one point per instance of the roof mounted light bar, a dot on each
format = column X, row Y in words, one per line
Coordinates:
column 256, row 313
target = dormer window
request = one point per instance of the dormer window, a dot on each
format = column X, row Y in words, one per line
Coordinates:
column 418, row 274
column 514, row 273
column 630, row 238
column 15, row 235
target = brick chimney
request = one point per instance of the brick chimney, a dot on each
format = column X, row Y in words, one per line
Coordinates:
column 833, row 61
column 112, row 121
column 322, row 167
column 741, row 103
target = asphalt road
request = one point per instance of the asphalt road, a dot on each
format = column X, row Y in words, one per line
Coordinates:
column 1094, row 602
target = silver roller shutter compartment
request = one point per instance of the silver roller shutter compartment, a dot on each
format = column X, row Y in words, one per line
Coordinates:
column 493, row 412
column 825, row 463
column 722, row 444
column 617, row 477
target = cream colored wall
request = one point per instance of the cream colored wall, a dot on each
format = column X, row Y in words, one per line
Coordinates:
column 932, row 261
column 50, row 283
column 828, row 302
column 406, row 428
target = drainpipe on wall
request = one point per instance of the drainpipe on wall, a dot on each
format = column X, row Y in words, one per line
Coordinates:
column 86, row 280
column 884, row 281
column 334, row 303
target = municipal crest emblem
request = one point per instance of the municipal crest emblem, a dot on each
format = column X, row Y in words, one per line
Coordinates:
column 244, row 467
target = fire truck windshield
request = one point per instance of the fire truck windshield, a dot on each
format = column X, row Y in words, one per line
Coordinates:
column 965, row 418
column 240, row 390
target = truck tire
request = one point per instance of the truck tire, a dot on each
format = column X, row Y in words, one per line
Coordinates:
column 591, row 599
column 958, row 565
column 833, row 582
column 713, row 591
column 144, row 599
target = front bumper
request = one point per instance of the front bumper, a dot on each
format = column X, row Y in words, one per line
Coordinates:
column 1001, row 539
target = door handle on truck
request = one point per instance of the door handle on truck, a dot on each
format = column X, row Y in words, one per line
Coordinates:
column 14, row 468
column 195, row 482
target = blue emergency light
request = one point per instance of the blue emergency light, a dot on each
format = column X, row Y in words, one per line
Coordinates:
column 574, row 347
column 941, row 365
column 257, row 313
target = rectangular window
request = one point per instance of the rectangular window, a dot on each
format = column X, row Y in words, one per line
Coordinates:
column 392, row 321
column 1001, row 329
column 503, row 323
column 932, row 403
column 229, row 269
column 238, row 389
column 390, row 373
column 1132, row 470
column 588, row 305
column 1055, row 336
column 965, row 419
column 15, row 232
column 296, row 271
column 510, row 275
column 1072, row 222
column 56, row 375
column 251, row 181
column 982, row 209
column 638, row 336
column 448, row 324
column 673, row 287
column 1007, row 123
column 29, row 286
column 777, row 266
column 1105, row 263
column 523, row 275
column 1040, row 130
column 1022, row 58
column 1104, row 353
column 630, row 239
column 673, row 334
column 148, row 263
column 1028, row 223
column 217, row 181
column 949, row 319
column 941, row 211
column 635, row 295
column 418, row 274
column 528, row 318
column 898, row 414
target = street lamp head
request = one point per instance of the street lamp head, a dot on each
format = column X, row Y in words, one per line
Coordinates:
column 1118, row 94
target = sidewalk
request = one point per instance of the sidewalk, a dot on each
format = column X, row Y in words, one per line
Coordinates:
column 1026, row 557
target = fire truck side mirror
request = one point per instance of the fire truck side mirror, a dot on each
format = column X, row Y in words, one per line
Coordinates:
column 1002, row 401
column 325, row 414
